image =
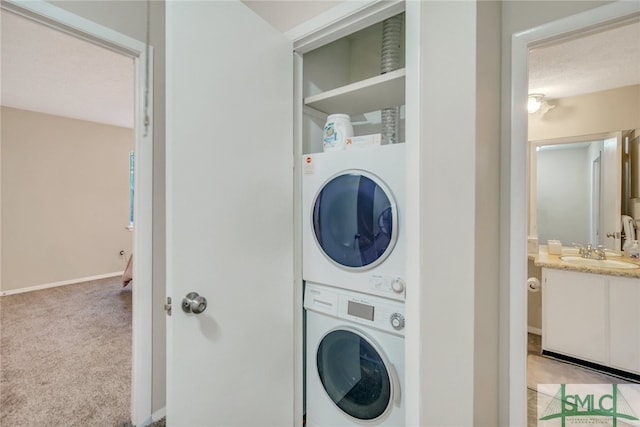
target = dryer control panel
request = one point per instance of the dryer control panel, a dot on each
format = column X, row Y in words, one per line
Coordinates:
column 372, row 311
column 393, row 285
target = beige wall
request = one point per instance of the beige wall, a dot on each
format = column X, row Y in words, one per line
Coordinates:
column 129, row 17
column 593, row 113
column 65, row 198
column 598, row 112
column 534, row 299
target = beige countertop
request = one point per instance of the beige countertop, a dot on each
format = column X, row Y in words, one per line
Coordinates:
column 546, row 260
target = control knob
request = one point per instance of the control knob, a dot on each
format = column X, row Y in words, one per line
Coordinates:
column 397, row 285
column 397, row 321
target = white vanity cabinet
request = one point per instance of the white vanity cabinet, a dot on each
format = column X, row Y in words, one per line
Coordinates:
column 574, row 314
column 624, row 323
column 592, row 317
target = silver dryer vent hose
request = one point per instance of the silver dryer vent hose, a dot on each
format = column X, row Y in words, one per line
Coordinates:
column 390, row 61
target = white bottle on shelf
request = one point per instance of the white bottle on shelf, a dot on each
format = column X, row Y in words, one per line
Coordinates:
column 336, row 131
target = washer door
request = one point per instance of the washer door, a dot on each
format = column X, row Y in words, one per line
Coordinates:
column 355, row 220
column 354, row 374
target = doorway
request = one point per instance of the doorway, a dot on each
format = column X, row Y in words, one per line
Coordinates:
column 516, row 272
column 142, row 55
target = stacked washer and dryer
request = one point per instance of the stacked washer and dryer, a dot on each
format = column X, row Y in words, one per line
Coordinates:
column 353, row 268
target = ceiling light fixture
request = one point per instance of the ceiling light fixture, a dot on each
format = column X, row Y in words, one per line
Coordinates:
column 536, row 102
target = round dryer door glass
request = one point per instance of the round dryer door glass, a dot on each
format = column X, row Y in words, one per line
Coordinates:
column 354, row 375
column 355, row 220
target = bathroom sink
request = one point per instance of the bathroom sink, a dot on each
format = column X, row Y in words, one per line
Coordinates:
column 574, row 251
column 602, row 263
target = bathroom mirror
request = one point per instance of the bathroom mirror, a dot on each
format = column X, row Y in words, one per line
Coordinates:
column 575, row 187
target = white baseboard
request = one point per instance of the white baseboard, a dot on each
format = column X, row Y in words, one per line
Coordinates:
column 156, row 416
column 159, row 414
column 144, row 423
column 63, row 283
column 536, row 331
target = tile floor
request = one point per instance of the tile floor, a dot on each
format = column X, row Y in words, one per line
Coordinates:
column 545, row 370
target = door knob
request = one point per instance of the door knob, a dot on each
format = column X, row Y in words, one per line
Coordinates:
column 194, row 303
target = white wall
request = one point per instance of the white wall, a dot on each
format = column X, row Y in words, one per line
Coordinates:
column 454, row 166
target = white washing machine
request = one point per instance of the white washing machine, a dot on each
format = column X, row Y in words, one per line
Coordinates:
column 354, row 359
column 353, row 219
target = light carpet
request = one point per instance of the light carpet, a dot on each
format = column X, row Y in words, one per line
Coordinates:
column 65, row 356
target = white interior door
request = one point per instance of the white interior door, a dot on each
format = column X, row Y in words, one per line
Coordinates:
column 610, row 210
column 229, row 217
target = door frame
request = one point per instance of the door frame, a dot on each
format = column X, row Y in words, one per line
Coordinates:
column 514, row 259
column 77, row 26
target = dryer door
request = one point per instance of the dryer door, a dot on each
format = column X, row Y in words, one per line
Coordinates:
column 354, row 220
column 355, row 375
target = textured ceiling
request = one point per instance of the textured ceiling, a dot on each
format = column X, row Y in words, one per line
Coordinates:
column 595, row 62
column 48, row 71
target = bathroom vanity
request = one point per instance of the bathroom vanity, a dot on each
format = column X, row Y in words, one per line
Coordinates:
column 591, row 311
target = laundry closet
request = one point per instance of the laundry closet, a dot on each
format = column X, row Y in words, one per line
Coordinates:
column 352, row 220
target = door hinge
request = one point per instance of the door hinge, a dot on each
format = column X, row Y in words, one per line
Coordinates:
column 167, row 306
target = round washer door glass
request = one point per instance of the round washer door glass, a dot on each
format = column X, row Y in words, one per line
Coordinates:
column 354, row 374
column 355, row 220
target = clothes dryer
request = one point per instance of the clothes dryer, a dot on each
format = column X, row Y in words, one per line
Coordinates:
column 354, row 359
column 353, row 219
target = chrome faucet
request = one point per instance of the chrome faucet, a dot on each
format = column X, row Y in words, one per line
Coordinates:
column 584, row 252
column 589, row 251
column 599, row 251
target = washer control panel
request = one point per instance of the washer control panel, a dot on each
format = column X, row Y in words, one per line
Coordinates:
column 397, row 321
column 373, row 311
